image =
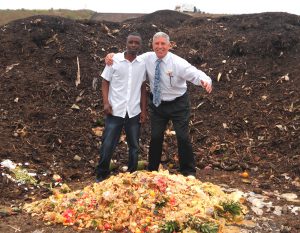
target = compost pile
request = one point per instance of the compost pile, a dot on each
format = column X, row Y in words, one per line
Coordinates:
column 143, row 202
column 51, row 113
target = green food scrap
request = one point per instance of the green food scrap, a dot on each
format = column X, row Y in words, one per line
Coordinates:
column 230, row 207
column 22, row 176
column 200, row 225
column 170, row 227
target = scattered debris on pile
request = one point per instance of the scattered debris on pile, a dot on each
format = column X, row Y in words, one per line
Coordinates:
column 19, row 174
column 143, row 202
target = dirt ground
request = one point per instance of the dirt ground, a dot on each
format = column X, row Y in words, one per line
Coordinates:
column 249, row 122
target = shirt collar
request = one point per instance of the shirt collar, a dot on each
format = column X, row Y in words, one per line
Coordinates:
column 138, row 58
column 121, row 57
column 165, row 58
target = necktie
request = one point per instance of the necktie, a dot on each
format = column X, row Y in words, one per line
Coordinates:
column 156, row 89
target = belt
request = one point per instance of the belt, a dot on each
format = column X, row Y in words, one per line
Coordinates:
column 168, row 101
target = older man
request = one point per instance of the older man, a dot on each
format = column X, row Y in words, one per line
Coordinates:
column 168, row 75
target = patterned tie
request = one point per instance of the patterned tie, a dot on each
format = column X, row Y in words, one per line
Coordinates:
column 156, row 89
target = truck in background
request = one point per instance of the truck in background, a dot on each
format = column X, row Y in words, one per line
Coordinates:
column 186, row 8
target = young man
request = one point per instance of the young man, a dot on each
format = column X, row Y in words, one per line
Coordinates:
column 167, row 75
column 124, row 102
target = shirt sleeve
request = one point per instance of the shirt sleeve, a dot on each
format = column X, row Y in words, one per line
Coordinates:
column 145, row 56
column 107, row 73
column 191, row 73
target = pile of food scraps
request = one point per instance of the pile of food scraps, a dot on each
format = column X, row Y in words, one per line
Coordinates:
column 143, row 202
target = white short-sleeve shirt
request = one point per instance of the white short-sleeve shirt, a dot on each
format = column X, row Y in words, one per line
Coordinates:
column 125, row 80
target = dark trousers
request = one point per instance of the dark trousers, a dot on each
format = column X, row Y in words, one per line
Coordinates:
column 110, row 139
column 178, row 111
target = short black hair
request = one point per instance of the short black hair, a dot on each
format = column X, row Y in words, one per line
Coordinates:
column 135, row 34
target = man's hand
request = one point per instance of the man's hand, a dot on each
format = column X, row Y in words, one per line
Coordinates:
column 109, row 59
column 107, row 109
column 207, row 86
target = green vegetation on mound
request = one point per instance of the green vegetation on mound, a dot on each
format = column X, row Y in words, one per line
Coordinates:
column 7, row 16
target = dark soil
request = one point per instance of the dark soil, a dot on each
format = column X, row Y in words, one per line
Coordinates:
column 249, row 122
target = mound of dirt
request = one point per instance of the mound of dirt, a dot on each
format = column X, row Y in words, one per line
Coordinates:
column 163, row 18
column 250, row 121
column 255, row 57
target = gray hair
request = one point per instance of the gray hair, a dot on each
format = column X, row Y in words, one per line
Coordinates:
column 161, row 34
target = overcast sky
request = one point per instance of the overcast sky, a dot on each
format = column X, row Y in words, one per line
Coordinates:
column 148, row 6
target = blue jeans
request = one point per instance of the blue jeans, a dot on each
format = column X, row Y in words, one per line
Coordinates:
column 110, row 139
